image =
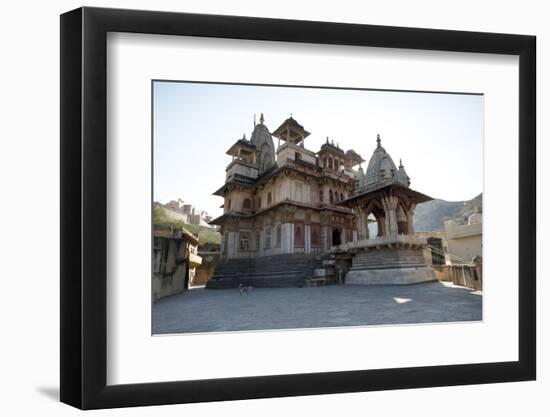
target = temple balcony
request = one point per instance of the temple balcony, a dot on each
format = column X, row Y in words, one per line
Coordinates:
column 290, row 152
column 242, row 168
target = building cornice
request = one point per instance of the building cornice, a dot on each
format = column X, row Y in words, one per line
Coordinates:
column 287, row 202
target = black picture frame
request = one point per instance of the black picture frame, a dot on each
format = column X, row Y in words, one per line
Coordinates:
column 84, row 207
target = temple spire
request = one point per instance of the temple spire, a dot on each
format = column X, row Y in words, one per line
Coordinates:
column 261, row 118
column 378, row 141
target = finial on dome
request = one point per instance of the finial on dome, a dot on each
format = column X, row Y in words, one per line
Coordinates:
column 327, row 139
column 400, row 163
column 291, row 115
column 244, row 136
column 261, row 118
column 378, row 141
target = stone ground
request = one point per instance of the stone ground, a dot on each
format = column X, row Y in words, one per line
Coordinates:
column 200, row 310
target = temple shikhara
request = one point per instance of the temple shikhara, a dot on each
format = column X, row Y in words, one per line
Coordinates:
column 292, row 215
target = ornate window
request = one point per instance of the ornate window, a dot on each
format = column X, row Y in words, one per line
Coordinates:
column 244, row 242
column 336, row 237
column 330, row 163
column 247, row 204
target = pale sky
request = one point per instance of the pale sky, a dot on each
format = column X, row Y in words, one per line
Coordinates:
column 438, row 136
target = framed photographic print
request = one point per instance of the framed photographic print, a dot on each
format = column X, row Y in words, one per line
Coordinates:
column 258, row 207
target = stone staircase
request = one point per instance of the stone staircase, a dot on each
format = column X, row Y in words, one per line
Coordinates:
column 289, row 270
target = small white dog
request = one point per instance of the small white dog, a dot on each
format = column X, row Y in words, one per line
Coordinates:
column 245, row 289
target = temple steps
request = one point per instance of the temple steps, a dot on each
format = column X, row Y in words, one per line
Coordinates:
column 269, row 271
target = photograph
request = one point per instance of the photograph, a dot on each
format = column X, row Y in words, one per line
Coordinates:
column 282, row 207
column 295, row 210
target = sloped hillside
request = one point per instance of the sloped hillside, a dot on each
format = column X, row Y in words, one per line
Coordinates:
column 430, row 216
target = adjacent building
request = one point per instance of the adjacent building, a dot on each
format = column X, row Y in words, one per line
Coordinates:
column 175, row 260
column 210, row 255
column 464, row 241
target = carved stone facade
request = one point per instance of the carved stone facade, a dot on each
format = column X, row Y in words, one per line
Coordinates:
column 303, row 202
column 287, row 201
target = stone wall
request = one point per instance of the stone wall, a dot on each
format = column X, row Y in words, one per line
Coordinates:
column 464, row 241
column 469, row 276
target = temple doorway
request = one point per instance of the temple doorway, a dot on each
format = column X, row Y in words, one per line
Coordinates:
column 336, row 237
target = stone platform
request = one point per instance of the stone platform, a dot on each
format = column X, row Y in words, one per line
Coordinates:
column 391, row 260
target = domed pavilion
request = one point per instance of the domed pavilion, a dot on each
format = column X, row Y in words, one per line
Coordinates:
column 382, row 195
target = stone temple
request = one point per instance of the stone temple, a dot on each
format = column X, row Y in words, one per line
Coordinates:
column 288, row 211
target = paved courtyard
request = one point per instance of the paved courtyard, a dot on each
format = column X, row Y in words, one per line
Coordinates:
column 200, row 310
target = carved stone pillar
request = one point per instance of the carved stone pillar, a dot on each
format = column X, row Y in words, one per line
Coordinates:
column 389, row 202
column 362, row 223
column 381, row 225
column 410, row 218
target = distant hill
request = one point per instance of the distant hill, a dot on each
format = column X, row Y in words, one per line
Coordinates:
column 430, row 216
column 167, row 217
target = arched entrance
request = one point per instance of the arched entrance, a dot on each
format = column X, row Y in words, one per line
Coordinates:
column 373, row 226
column 336, row 237
column 373, row 220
